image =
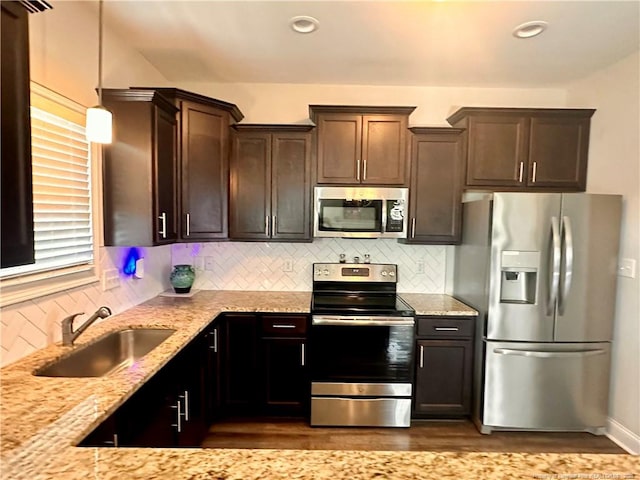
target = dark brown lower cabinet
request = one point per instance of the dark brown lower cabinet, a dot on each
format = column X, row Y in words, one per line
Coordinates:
column 286, row 388
column 444, row 360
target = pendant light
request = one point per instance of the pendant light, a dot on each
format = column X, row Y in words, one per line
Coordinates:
column 99, row 119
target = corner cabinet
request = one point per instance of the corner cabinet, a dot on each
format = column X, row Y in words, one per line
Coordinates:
column 270, row 178
column 444, row 361
column 361, row 145
column 139, row 170
column 436, row 188
column 17, row 241
column 532, row 149
column 203, row 163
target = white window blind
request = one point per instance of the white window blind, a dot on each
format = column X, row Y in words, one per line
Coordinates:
column 61, row 169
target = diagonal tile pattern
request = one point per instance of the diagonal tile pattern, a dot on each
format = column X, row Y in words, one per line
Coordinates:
column 30, row 325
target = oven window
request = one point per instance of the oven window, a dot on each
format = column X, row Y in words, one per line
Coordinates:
column 361, row 353
column 350, row 215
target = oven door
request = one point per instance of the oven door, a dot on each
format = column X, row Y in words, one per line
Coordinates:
column 361, row 349
column 361, row 371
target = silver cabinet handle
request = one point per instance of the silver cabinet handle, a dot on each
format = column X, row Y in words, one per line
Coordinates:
column 188, row 224
column 521, row 172
column 358, row 169
column 163, row 229
column 567, row 235
column 554, row 267
column 282, row 325
column 178, row 424
column 535, row 171
column 185, row 397
column 421, row 356
column 364, row 169
column 266, row 225
column 413, row 227
column 302, row 355
column 446, row 329
column 113, row 442
column 215, row 340
column 273, row 225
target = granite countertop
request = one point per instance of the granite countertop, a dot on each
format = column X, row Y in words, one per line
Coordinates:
column 42, row 419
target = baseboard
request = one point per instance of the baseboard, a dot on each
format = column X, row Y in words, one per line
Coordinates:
column 624, row 437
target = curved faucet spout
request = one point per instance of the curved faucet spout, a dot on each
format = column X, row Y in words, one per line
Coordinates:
column 69, row 335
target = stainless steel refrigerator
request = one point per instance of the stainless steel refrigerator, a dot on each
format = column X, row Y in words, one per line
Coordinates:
column 541, row 270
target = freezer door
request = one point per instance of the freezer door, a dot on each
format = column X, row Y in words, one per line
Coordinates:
column 524, row 267
column 590, row 235
column 562, row 386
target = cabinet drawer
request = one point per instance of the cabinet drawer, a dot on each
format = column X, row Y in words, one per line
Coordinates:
column 284, row 326
column 445, row 327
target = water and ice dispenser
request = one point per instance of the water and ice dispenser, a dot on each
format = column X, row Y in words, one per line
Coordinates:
column 519, row 276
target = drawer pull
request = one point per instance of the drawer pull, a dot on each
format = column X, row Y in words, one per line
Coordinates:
column 283, row 325
column 446, row 329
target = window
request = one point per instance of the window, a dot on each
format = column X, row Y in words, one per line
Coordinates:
column 62, row 195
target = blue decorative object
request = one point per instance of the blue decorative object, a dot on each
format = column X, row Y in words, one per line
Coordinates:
column 182, row 277
column 130, row 260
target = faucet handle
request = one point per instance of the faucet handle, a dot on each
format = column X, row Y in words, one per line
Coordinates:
column 70, row 318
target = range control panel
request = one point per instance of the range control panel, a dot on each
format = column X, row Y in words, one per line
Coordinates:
column 355, row 272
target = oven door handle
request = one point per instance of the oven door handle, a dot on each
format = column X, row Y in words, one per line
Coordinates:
column 362, row 321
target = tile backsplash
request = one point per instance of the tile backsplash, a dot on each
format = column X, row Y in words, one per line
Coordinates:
column 265, row 266
column 33, row 324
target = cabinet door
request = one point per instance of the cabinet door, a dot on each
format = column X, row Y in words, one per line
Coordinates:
column 290, row 186
column 443, row 377
column 384, row 149
column 497, row 150
column 286, row 388
column 339, row 148
column 250, row 199
column 15, row 158
column 436, row 190
column 204, row 171
column 240, row 367
column 165, row 177
column 558, row 149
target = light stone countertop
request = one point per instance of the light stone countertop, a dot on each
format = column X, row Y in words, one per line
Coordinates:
column 41, row 419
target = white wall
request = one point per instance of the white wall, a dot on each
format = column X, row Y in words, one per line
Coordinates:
column 286, row 103
column 614, row 167
column 64, row 52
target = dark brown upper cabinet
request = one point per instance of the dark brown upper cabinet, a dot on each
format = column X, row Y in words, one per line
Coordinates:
column 436, row 188
column 535, row 149
column 15, row 160
column 139, row 170
column 203, row 163
column 270, row 178
column 361, row 145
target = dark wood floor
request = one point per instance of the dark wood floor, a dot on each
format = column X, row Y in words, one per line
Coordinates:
column 456, row 436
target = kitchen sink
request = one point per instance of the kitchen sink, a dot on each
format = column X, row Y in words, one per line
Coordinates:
column 114, row 351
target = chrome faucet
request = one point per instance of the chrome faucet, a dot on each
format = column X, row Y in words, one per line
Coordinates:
column 69, row 335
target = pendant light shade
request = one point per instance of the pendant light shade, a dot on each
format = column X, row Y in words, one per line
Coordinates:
column 99, row 120
column 99, row 125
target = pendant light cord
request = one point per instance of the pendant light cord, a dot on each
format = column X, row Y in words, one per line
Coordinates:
column 100, row 53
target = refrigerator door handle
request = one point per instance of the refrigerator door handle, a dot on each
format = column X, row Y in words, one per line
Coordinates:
column 547, row 354
column 567, row 234
column 554, row 270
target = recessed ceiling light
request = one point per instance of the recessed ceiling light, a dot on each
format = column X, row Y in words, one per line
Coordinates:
column 304, row 24
column 530, row 29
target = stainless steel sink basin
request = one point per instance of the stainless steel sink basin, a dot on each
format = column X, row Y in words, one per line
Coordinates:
column 114, row 351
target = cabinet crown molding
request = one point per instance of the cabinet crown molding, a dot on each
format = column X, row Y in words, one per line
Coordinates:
column 463, row 112
column 272, row 127
column 314, row 110
column 142, row 95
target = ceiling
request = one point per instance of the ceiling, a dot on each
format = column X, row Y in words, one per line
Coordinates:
column 425, row 43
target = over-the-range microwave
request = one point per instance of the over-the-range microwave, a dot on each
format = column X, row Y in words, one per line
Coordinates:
column 360, row 212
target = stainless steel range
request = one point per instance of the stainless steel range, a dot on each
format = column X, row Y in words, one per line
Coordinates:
column 361, row 347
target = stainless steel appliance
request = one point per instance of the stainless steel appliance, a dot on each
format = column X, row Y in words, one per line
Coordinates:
column 360, row 347
column 541, row 270
column 360, row 212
